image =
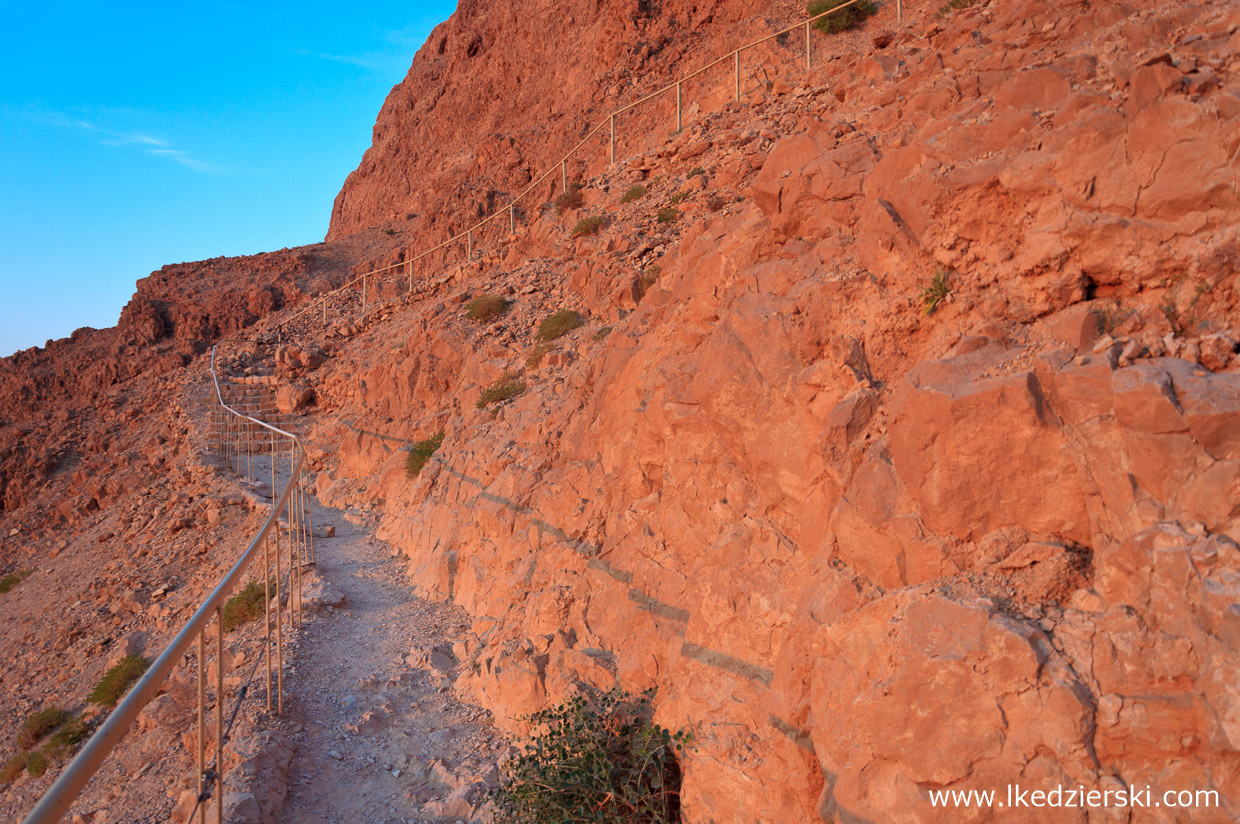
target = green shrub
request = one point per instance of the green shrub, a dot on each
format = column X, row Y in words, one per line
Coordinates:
column 667, row 215
column 486, row 308
column 680, row 197
column 421, row 453
column 36, row 764
column 537, row 354
column 508, row 386
column 66, row 740
column 951, row 6
column 13, row 768
column 938, row 289
column 117, row 680
column 636, row 193
column 570, row 199
column 37, row 726
column 715, row 202
column 588, row 225
column 10, row 581
column 559, row 324
column 389, row 231
column 694, row 172
column 602, row 333
column 244, row 607
column 839, row 21
column 598, row 760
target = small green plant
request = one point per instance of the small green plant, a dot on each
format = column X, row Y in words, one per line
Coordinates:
column 597, row 759
column 667, row 215
column 1108, row 317
column 558, row 325
column 486, row 308
column 844, row 19
column 14, row 767
column 635, row 193
column 1183, row 321
column 420, row 453
column 117, row 680
column 588, row 225
column 602, row 334
column 389, row 231
column 537, row 354
column 66, row 740
column 680, row 197
column 36, row 764
column 10, row 581
column 694, row 172
column 571, row 198
column 951, row 6
column 715, row 202
column 244, row 607
column 507, row 387
column 935, row 293
column 38, row 726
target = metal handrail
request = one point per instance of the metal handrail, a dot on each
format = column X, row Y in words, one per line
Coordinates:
column 65, row 790
column 608, row 119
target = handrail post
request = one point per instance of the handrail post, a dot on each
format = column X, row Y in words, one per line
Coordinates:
column 807, row 47
column 613, row 140
column 512, row 218
column 737, row 59
column 410, row 265
column 900, row 12
column 564, row 175
column 679, row 122
column 219, row 715
column 324, row 311
column 469, row 245
column 364, row 278
column 202, row 722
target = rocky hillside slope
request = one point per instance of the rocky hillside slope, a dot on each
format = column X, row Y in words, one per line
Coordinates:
column 899, row 455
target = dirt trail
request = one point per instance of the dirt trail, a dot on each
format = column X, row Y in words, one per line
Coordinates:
column 380, row 736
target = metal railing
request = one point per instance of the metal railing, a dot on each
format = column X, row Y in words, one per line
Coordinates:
column 321, row 303
column 242, row 436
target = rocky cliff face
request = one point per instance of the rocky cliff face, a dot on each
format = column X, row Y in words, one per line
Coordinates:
column 501, row 91
column 866, row 551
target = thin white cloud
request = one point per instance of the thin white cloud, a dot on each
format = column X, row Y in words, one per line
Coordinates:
column 149, row 144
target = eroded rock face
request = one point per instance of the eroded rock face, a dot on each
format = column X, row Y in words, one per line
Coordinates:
column 868, row 551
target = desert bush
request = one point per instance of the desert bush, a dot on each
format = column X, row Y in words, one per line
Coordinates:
column 595, row 759
column 936, row 292
column 36, row 764
column 845, row 19
column 12, row 580
column 117, row 680
column 694, row 172
column 635, row 193
column 571, row 198
column 667, row 215
column 244, row 607
column 507, row 387
column 537, row 354
column 559, row 324
column 13, row 768
column 602, row 334
column 38, row 726
column 486, row 308
column 588, row 226
column 715, row 202
column 680, row 197
column 420, row 453
column 66, row 740
column 951, row 6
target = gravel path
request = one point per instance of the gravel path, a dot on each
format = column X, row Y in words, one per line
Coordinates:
column 380, row 736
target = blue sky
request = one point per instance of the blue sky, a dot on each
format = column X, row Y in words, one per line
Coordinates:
column 134, row 135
